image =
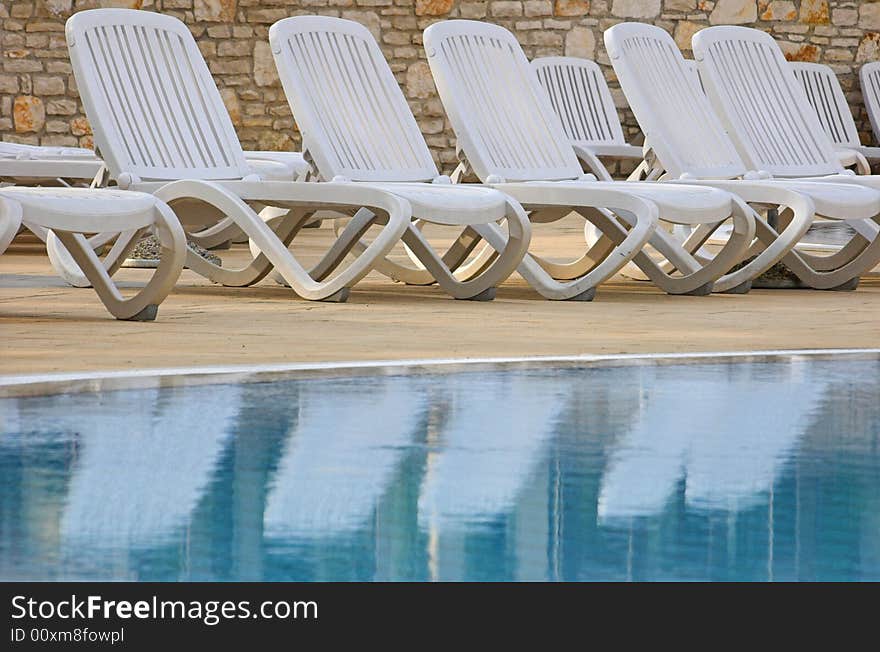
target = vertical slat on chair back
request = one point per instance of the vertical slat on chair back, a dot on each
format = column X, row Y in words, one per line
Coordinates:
column 825, row 94
column 675, row 116
column 581, row 98
column 694, row 72
column 764, row 107
column 150, row 98
column 354, row 118
column 869, row 78
column 504, row 121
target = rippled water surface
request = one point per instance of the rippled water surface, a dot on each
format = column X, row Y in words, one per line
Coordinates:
column 728, row 471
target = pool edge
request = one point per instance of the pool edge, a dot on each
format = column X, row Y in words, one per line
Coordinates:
column 23, row 385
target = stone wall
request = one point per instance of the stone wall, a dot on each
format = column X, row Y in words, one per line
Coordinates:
column 39, row 103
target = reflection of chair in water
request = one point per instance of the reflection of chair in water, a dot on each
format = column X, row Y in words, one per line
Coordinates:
column 10, row 420
column 728, row 446
column 492, row 443
column 147, row 458
column 730, row 468
column 342, row 455
column 648, row 462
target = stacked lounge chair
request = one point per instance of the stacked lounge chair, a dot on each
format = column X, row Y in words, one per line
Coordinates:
column 473, row 63
column 691, row 144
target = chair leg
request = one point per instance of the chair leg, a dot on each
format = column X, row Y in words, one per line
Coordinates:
column 743, row 233
column 66, row 267
column 775, row 245
column 850, row 250
column 143, row 306
column 286, row 224
column 453, row 259
column 216, row 235
column 772, row 246
column 863, row 258
column 346, row 241
column 583, row 288
column 464, row 271
column 10, row 221
column 393, row 270
column 511, row 248
column 595, row 254
column 643, row 267
column 698, row 279
column 456, row 257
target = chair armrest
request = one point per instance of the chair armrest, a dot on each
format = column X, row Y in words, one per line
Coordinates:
column 592, row 162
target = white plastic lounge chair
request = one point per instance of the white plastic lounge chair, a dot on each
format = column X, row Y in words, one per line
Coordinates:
column 848, row 158
column 39, row 152
column 869, row 78
column 356, row 123
column 689, row 143
column 825, row 94
column 823, row 90
column 511, row 138
column 582, row 100
column 24, row 164
column 744, row 67
column 45, row 163
column 827, row 98
column 329, row 484
column 40, row 164
column 161, row 126
column 144, row 463
column 27, row 165
column 72, row 212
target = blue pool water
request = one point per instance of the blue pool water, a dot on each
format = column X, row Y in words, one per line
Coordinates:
column 727, row 471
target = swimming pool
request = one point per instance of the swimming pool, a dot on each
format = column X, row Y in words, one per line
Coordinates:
column 722, row 470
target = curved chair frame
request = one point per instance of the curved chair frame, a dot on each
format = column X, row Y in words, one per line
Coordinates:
column 70, row 213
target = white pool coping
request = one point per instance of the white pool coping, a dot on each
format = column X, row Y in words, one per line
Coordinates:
column 99, row 381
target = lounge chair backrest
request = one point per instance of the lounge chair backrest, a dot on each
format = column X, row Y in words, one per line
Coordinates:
column 582, row 100
column 674, row 114
column 765, row 109
column 826, row 96
column 502, row 117
column 150, row 98
column 355, row 121
column 869, row 78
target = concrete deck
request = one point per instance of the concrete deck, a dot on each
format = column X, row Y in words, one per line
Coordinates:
column 46, row 326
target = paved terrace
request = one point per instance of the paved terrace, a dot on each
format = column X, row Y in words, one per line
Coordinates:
column 46, row 326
